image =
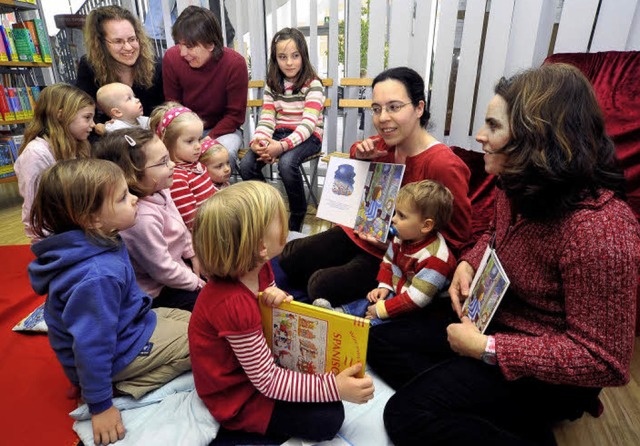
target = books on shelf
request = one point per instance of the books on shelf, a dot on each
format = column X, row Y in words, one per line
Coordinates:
column 43, row 40
column 361, row 194
column 18, row 103
column 311, row 339
column 6, row 159
column 6, row 34
column 487, row 289
column 24, row 44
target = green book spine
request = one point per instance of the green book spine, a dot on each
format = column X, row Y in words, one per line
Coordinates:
column 43, row 39
column 24, row 46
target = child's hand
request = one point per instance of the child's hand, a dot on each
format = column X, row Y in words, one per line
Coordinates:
column 377, row 294
column 259, row 145
column 195, row 265
column 107, row 426
column 371, row 312
column 352, row 389
column 274, row 296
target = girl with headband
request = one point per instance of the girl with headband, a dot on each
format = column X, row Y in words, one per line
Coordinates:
column 180, row 130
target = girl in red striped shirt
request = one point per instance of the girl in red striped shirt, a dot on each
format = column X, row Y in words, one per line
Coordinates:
column 290, row 125
column 180, row 129
column 236, row 232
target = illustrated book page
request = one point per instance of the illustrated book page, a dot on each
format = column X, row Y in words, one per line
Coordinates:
column 311, row 339
column 361, row 195
column 489, row 285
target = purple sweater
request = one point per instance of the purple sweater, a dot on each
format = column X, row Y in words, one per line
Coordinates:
column 570, row 308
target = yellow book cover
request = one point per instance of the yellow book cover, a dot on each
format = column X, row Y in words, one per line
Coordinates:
column 311, row 339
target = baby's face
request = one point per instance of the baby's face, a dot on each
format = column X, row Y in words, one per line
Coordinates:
column 128, row 104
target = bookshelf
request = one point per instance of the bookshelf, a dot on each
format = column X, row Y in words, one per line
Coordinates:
column 24, row 46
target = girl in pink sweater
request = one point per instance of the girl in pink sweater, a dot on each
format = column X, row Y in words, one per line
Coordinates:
column 159, row 244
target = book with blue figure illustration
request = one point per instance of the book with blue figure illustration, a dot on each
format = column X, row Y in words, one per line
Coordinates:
column 487, row 289
column 361, row 195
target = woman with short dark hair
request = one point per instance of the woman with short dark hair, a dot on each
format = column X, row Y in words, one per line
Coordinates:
column 203, row 75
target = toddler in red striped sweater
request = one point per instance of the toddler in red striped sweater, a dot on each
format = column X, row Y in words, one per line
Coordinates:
column 180, row 129
column 236, row 232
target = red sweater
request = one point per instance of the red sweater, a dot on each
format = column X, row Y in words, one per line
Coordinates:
column 234, row 370
column 437, row 163
column 217, row 91
column 570, row 308
column 191, row 186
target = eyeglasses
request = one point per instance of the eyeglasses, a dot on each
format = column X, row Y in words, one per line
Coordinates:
column 165, row 162
column 391, row 108
column 120, row 43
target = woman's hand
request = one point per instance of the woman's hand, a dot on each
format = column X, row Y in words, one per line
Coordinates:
column 107, row 426
column 372, row 240
column 366, row 150
column 465, row 339
column 352, row 389
column 274, row 296
column 460, row 284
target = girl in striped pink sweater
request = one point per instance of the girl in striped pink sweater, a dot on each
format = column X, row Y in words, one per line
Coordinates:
column 290, row 125
column 180, row 129
column 236, row 232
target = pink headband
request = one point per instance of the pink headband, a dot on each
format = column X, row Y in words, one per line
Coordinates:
column 207, row 144
column 169, row 116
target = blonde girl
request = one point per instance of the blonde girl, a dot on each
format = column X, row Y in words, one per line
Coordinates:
column 159, row 243
column 100, row 322
column 236, row 232
column 180, row 130
column 290, row 127
column 61, row 125
column 215, row 158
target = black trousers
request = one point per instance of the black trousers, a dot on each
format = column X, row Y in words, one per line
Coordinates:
column 330, row 265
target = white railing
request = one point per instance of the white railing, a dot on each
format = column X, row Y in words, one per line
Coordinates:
column 461, row 47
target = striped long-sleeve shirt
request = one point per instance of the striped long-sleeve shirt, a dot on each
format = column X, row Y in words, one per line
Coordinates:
column 415, row 272
column 300, row 112
column 234, row 370
column 191, row 186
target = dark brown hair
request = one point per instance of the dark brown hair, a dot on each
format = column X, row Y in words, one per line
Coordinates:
column 275, row 77
column 116, row 146
column 559, row 152
column 196, row 25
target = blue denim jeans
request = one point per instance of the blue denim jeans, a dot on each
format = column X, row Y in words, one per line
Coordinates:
column 289, row 170
column 359, row 308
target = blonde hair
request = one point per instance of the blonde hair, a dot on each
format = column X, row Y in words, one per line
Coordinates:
column 105, row 96
column 55, row 109
column 230, row 226
column 70, row 193
column 103, row 64
column 208, row 154
column 116, row 146
column 171, row 132
column 431, row 199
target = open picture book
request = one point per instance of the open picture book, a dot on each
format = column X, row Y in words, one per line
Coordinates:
column 311, row 339
column 488, row 287
column 361, row 195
